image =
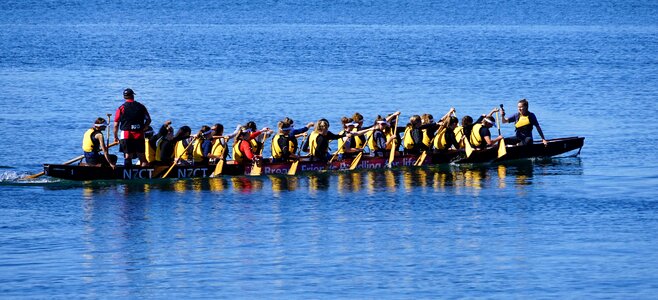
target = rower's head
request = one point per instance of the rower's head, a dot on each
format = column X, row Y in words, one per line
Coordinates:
column 522, row 106
column 467, row 121
column 285, row 127
column 488, row 121
column 288, row 121
column 100, row 124
column 427, row 119
column 453, row 122
column 148, row 133
column 380, row 123
column 358, row 118
column 322, row 126
column 217, row 129
column 205, row 131
column 414, row 121
column 251, row 125
column 183, row 133
column 345, row 121
column 128, row 94
column 349, row 127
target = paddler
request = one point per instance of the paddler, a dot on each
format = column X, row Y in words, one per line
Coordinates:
column 181, row 140
column 381, row 142
column 413, row 135
column 256, row 139
column 202, row 145
column 284, row 142
column 219, row 143
column 481, row 136
column 319, row 141
column 93, row 143
column 242, row 147
column 524, row 121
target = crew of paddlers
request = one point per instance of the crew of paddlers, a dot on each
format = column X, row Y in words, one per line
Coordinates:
column 137, row 139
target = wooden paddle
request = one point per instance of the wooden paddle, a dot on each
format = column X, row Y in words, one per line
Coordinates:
column 68, row 162
column 421, row 158
column 179, row 157
column 107, row 142
column 295, row 165
column 219, row 168
column 257, row 170
column 394, row 147
column 502, row 148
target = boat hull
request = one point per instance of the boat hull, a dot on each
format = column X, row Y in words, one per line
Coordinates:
column 83, row 173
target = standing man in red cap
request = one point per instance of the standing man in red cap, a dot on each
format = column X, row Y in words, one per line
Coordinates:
column 132, row 118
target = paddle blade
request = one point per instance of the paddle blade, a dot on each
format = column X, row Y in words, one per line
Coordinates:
column 391, row 157
column 168, row 170
column 356, row 161
column 469, row 149
column 256, row 170
column 502, row 148
column 219, row 168
column 421, row 159
column 33, row 176
column 293, row 168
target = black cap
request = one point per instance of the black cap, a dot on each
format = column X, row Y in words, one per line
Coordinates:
column 128, row 93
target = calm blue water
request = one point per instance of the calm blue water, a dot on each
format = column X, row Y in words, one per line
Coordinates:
column 563, row 228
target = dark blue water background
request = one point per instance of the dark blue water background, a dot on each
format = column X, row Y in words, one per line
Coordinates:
column 569, row 227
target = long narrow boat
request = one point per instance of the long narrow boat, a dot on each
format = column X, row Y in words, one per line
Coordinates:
column 81, row 172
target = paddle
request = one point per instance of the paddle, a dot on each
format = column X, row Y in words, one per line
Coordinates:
column 107, row 142
column 68, row 162
column 394, row 147
column 421, row 158
column 179, row 157
column 502, row 148
column 219, row 168
column 357, row 159
column 294, row 166
column 257, row 170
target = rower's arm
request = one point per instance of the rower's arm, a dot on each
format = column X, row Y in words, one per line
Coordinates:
column 104, row 148
column 493, row 111
column 393, row 116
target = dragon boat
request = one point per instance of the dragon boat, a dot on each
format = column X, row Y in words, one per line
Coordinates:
column 231, row 168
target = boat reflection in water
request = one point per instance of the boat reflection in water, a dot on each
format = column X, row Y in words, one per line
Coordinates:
column 457, row 178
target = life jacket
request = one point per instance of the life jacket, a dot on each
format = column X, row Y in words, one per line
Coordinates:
column 255, row 145
column 359, row 141
column 427, row 140
column 149, row 151
column 218, row 149
column 476, row 140
column 277, row 152
column 313, row 144
column 388, row 134
column 440, row 140
column 459, row 133
column 197, row 151
column 372, row 144
column 133, row 116
column 158, row 149
column 238, row 155
column 341, row 144
column 179, row 150
column 523, row 123
column 89, row 141
column 408, row 141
